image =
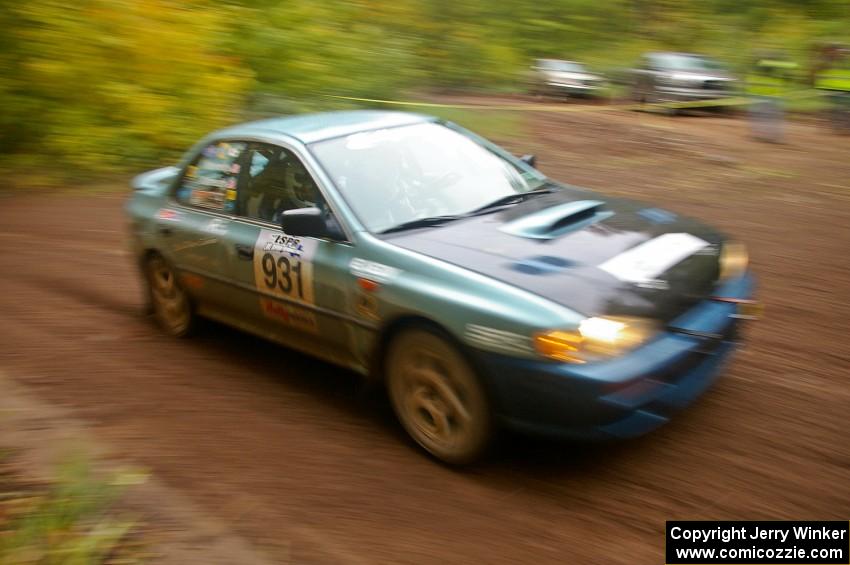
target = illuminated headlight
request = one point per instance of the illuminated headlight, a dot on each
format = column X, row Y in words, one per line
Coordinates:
column 733, row 260
column 595, row 339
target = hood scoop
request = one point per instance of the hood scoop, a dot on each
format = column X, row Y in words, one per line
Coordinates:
column 556, row 221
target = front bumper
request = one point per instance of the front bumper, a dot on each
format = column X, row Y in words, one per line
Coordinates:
column 575, row 89
column 678, row 94
column 627, row 396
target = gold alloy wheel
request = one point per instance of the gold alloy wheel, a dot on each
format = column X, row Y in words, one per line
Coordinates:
column 437, row 397
column 171, row 306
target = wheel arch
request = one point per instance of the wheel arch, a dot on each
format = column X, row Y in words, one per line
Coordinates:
column 395, row 326
column 402, row 322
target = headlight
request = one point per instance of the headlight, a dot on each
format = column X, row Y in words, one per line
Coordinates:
column 595, row 339
column 733, row 260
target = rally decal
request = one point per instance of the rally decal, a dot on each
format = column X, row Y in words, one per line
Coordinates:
column 642, row 264
column 168, row 215
column 283, row 265
column 296, row 316
column 373, row 271
column 497, row 340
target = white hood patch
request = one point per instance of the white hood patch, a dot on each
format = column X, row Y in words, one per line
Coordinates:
column 643, row 263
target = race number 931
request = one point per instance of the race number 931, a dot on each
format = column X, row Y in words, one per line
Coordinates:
column 283, row 273
column 283, row 265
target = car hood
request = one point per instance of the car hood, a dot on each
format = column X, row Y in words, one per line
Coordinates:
column 592, row 254
column 561, row 75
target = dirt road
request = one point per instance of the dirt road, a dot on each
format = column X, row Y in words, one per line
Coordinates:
column 291, row 455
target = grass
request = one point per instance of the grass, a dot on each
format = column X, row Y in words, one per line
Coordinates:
column 69, row 521
column 493, row 124
column 30, row 175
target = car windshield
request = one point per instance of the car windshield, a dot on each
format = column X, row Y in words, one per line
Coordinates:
column 678, row 62
column 562, row 66
column 397, row 175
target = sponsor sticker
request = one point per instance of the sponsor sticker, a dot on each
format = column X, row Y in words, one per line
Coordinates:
column 193, row 281
column 497, row 340
column 290, row 315
column 366, row 305
column 168, row 215
column 373, row 271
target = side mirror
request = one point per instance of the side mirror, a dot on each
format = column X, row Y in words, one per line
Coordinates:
column 310, row 222
column 530, row 160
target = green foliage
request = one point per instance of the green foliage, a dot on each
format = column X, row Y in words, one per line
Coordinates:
column 96, row 86
column 69, row 524
column 106, row 84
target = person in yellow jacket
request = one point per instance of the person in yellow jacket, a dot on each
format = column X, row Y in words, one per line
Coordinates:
column 834, row 82
column 767, row 83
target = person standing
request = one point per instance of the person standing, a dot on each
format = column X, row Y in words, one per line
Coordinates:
column 767, row 84
column 834, row 81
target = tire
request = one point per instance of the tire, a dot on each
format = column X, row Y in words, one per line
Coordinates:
column 170, row 304
column 437, row 397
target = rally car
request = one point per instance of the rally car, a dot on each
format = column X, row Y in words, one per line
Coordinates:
column 482, row 293
column 565, row 78
column 680, row 77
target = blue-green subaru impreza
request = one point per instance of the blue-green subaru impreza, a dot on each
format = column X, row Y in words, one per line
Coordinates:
column 411, row 250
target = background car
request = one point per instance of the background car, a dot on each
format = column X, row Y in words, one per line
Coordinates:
column 555, row 77
column 414, row 252
column 680, row 77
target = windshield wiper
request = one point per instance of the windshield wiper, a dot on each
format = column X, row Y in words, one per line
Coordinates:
column 421, row 223
column 433, row 221
column 511, row 199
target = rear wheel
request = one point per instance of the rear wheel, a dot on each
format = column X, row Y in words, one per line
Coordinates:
column 171, row 306
column 437, row 397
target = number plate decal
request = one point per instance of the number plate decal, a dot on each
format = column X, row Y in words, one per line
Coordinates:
column 283, row 265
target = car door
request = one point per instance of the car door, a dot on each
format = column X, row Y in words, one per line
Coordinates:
column 193, row 227
column 293, row 289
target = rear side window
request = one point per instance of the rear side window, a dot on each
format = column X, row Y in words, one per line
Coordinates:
column 210, row 182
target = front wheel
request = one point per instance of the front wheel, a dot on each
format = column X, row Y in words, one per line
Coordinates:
column 171, row 306
column 437, row 397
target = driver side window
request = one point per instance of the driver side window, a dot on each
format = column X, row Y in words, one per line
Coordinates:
column 276, row 181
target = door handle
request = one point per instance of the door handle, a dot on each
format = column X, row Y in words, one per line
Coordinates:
column 245, row 251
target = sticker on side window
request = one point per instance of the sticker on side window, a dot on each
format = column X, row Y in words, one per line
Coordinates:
column 283, row 265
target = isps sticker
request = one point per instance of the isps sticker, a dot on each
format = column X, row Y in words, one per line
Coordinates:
column 283, row 265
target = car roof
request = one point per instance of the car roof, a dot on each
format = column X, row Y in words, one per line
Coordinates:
column 678, row 53
column 309, row 128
